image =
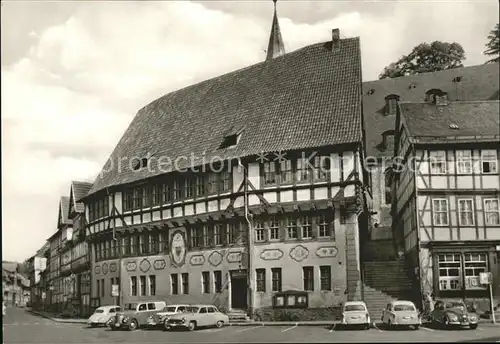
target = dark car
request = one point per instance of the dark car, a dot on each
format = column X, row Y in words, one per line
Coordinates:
column 453, row 314
column 135, row 315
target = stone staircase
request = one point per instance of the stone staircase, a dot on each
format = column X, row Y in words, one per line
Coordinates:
column 238, row 316
column 385, row 281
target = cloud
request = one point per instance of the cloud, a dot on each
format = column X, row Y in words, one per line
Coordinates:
column 75, row 78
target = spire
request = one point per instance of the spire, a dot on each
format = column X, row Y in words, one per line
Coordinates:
column 276, row 47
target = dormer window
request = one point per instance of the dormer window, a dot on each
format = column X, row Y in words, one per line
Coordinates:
column 391, row 104
column 457, row 79
column 231, row 139
column 370, row 91
column 140, row 164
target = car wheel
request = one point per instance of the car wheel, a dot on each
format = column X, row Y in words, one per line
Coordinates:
column 219, row 324
column 367, row 327
column 133, row 325
column 473, row 326
column 93, row 325
column 192, row 326
column 166, row 327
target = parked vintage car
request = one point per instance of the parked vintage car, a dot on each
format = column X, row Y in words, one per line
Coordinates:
column 160, row 318
column 401, row 313
column 197, row 316
column 135, row 315
column 103, row 315
column 355, row 313
column 453, row 314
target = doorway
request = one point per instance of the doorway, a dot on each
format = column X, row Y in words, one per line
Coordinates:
column 239, row 287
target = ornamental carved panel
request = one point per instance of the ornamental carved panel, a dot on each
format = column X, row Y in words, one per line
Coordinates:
column 234, row 257
column 97, row 269
column 271, row 254
column 160, row 264
column 327, row 252
column 197, row 259
column 144, row 265
column 131, row 266
column 215, row 258
column 105, row 268
column 113, row 267
column 299, row 253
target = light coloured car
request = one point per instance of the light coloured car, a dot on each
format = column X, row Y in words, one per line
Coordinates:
column 355, row 313
column 197, row 316
column 103, row 315
column 160, row 318
column 135, row 315
column 401, row 313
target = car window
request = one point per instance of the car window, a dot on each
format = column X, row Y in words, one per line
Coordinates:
column 192, row 309
column 181, row 309
column 169, row 309
column 142, row 307
column 131, row 306
column 111, row 310
column 203, row 310
column 211, row 310
column 151, row 306
column 455, row 305
column 404, row 308
column 351, row 308
column 118, row 309
column 99, row 311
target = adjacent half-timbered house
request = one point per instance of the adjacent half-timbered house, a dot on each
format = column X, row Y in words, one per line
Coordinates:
column 447, row 191
column 237, row 188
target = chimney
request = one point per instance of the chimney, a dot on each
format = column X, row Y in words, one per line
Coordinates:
column 335, row 39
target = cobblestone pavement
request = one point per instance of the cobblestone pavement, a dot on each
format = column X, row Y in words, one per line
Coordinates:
column 19, row 326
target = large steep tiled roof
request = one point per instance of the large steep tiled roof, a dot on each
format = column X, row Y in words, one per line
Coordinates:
column 77, row 192
column 457, row 119
column 64, row 211
column 305, row 99
column 476, row 83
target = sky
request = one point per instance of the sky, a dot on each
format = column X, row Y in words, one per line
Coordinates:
column 75, row 73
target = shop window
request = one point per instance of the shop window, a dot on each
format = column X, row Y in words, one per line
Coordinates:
column 450, row 267
column 474, row 264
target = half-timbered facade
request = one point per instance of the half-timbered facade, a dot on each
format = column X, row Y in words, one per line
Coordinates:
column 261, row 192
column 447, row 191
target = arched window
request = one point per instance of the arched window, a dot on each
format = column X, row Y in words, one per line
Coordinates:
column 391, row 104
column 435, row 94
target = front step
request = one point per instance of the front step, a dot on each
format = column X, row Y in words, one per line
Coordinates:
column 238, row 316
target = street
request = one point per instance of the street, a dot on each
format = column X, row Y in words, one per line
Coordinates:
column 20, row 326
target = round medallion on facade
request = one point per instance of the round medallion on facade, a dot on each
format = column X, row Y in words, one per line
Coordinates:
column 178, row 248
column 299, row 253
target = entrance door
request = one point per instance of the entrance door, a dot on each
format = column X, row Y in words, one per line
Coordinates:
column 239, row 288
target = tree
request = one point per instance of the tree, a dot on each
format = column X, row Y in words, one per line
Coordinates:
column 493, row 45
column 425, row 58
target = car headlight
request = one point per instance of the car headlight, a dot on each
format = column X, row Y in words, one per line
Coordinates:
column 452, row 317
column 473, row 318
column 125, row 319
column 183, row 320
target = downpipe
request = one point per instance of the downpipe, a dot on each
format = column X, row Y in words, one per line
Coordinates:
column 250, row 241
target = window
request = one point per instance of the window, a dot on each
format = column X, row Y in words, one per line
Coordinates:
column 203, row 310
column 205, row 282
column 274, row 228
column 142, row 245
column 489, row 161
column 218, row 281
column 174, row 284
column 440, row 211
column 152, row 285
column 276, row 279
column 151, row 306
column 321, row 170
column 491, row 211
column 166, row 193
column 218, row 234
column 196, row 236
column 133, row 245
column 208, row 233
column 153, row 243
column 306, row 227
column 142, row 307
column 286, row 172
column 269, row 173
column 102, row 288
column 474, row 264
column 156, row 195
column 388, row 186
column 212, row 183
column 232, row 232
column 142, row 285
column 291, row 228
column 177, row 190
column 303, row 171
column 133, row 286
column 324, row 226
column 325, row 274
column 259, row 231
column 189, row 187
column 137, row 198
column 200, row 185
column 261, row 280
column 98, row 284
column 224, row 181
column 464, row 161
column 146, row 197
column 185, row 283
column 391, row 104
column 449, row 271
column 466, row 212
column 438, row 162
column 308, row 272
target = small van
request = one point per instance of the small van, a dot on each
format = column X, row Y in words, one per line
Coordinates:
column 135, row 315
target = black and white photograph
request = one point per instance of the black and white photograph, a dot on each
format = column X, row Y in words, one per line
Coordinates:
column 260, row 171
